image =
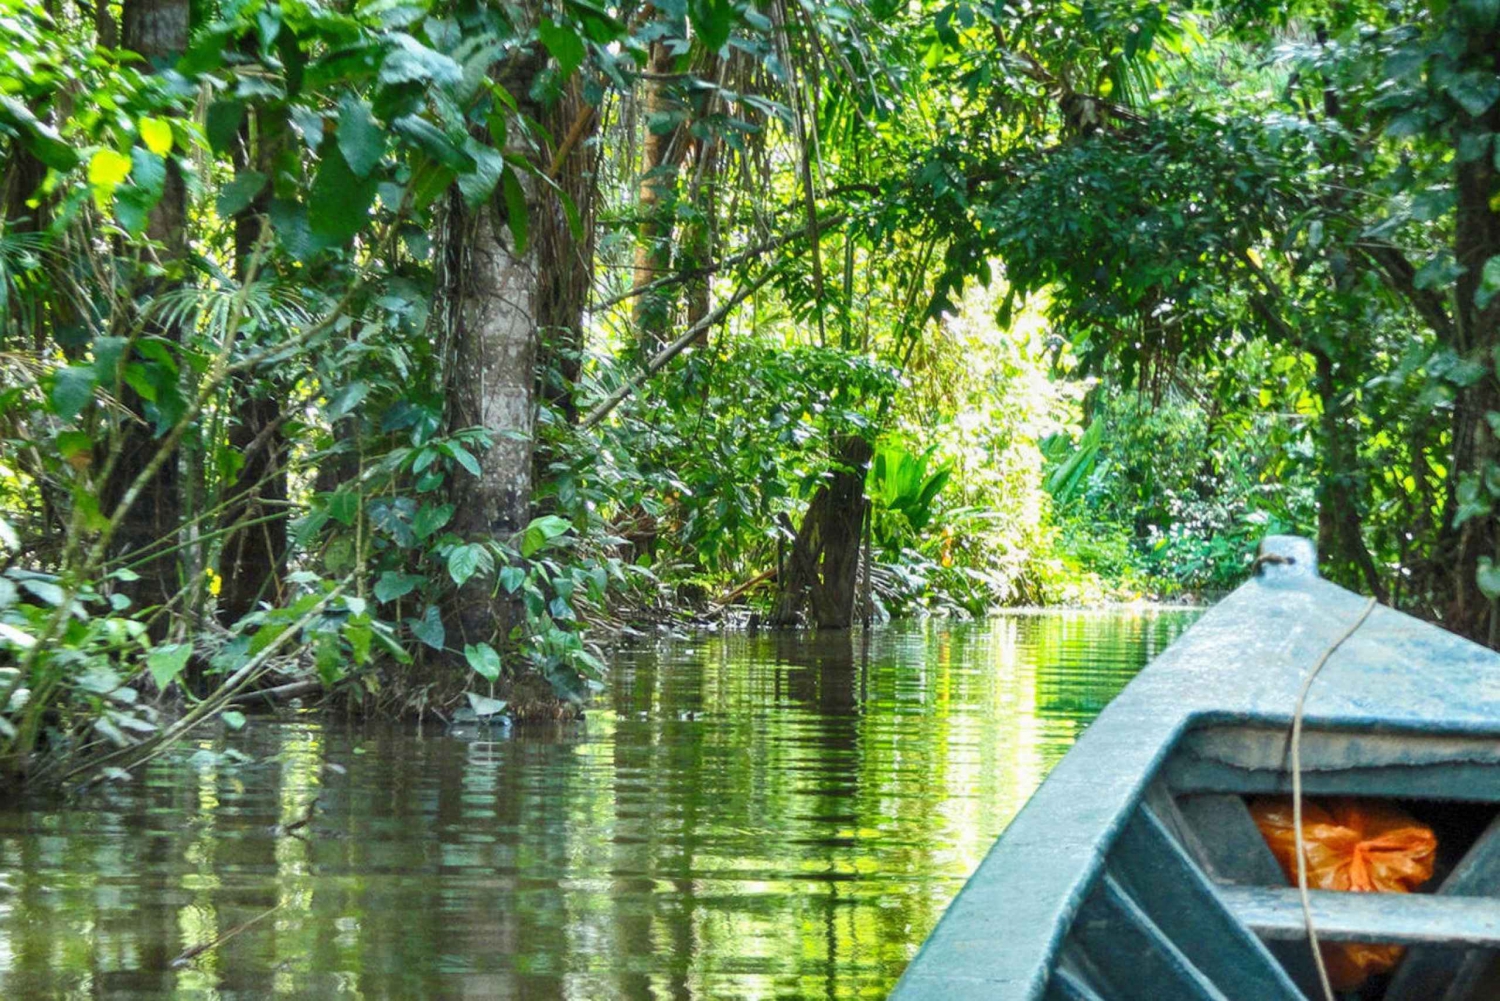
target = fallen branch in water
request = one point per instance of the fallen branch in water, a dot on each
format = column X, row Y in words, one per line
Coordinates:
column 191, row 954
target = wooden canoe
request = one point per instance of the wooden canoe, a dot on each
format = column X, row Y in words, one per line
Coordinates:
column 1136, row 872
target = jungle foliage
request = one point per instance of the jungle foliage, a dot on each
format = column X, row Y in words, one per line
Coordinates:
column 405, row 349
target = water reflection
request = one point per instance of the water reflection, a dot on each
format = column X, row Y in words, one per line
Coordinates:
column 750, row 817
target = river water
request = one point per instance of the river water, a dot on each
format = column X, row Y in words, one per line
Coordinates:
column 742, row 816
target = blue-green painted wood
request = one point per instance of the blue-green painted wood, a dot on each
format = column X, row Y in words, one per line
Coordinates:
column 1242, row 663
column 1178, row 898
column 1429, row 972
column 1139, row 960
column 1069, row 986
column 1233, row 850
column 1397, row 918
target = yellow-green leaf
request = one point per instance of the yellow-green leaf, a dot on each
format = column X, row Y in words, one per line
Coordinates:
column 156, row 133
column 107, row 169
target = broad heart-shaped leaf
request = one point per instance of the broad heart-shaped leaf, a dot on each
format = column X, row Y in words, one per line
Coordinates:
column 429, row 518
column 429, row 628
column 393, row 585
column 1489, row 282
column 542, row 531
column 166, row 662
column 511, row 578
column 361, row 139
column 479, row 184
column 484, row 660
column 72, row 388
column 340, row 202
column 712, row 20
column 465, row 561
column 484, row 706
column 1474, row 91
column 1488, row 578
column 565, row 44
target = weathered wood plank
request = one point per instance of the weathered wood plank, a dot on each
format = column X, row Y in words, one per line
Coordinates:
column 1179, row 899
column 1132, row 953
column 1463, row 781
column 1223, row 837
column 1429, row 972
column 1065, row 985
column 1234, row 849
column 1398, row 918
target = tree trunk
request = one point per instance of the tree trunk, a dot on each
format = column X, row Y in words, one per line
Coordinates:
column 822, row 571
column 1475, row 450
column 158, row 31
column 660, row 156
column 1341, row 540
column 495, row 291
column 252, row 559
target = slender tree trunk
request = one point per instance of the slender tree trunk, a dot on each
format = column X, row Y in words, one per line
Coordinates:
column 821, row 573
column 1340, row 526
column 252, row 559
column 661, row 154
column 158, row 31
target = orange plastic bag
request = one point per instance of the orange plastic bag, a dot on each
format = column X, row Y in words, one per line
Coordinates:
column 1362, row 846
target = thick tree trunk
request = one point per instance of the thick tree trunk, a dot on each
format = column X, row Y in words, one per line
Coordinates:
column 496, row 292
column 252, row 559
column 821, row 574
column 1476, row 452
column 157, row 30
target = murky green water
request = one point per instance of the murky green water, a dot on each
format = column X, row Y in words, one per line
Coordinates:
column 744, row 817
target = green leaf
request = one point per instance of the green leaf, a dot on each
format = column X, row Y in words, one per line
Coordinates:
column 1488, row 578
column 431, row 140
column 429, row 628
column 1489, row 282
column 465, row 561
column 484, row 660
column 233, row 718
column 393, row 585
column 166, row 662
column 485, row 706
column 361, row 139
column 72, row 389
column 221, row 124
column 541, row 531
column 343, row 506
column 712, row 20
column 478, row 184
column 511, row 578
column 235, row 196
column 38, row 137
column 463, row 457
column 430, row 518
column 1474, row 91
column 340, row 202
column 565, row 44
column 516, row 216
column 409, row 60
column 347, row 399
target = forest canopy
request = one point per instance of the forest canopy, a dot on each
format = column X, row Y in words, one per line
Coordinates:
column 401, row 351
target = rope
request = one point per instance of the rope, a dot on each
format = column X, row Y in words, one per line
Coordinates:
column 1307, row 919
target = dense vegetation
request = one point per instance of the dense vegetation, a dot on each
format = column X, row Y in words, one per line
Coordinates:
column 399, row 349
